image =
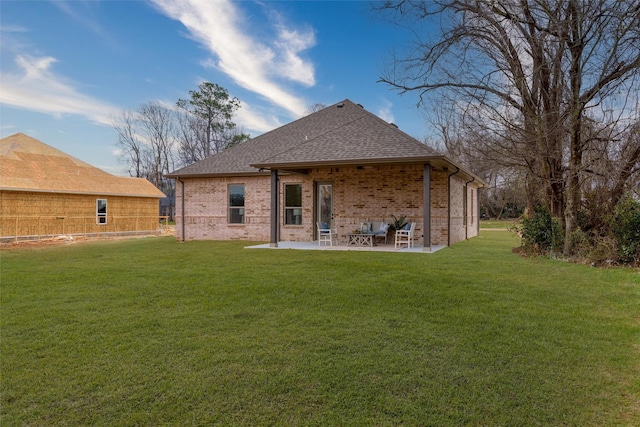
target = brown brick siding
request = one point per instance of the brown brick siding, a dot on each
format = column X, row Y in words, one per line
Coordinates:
column 367, row 194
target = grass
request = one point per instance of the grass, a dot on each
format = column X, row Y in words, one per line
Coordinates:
column 498, row 223
column 154, row 332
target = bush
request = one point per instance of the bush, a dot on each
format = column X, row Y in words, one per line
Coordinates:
column 603, row 251
column 625, row 225
column 541, row 234
column 581, row 244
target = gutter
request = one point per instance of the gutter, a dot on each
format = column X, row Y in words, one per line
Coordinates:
column 181, row 208
column 449, row 205
column 466, row 203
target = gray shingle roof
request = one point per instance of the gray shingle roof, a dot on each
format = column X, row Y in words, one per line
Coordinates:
column 366, row 138
column 341, row 134
column 344, row 133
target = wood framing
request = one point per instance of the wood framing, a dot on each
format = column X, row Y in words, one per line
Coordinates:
column 45, row 192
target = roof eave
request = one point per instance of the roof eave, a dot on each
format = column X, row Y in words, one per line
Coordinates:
column 85, row 193
column 439, row 161
column 215, row 174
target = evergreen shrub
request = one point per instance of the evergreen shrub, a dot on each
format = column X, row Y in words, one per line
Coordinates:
column 541, row 233
column 625, row 225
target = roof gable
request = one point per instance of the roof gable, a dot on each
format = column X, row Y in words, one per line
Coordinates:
column 31, row 165
column 342, row 132
column 366, row 138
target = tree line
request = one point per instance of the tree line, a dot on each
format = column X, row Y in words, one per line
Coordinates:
column 542, row 97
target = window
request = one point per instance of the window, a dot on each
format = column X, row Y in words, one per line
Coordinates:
column 236, row 203
column 101, row 211
column 293, row 204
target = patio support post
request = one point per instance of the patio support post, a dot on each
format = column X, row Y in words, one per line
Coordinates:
column 274, row 209
column 426, row 208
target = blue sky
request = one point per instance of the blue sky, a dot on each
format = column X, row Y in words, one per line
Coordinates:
column 68, row 68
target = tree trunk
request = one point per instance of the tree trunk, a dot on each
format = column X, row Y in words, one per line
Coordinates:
column 576, row 47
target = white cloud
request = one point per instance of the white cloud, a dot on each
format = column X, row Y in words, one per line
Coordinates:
column 253, row 64
column 384, row 112
column 291, row 43
column 37, row 88
column 13, row 29
column 252, row 120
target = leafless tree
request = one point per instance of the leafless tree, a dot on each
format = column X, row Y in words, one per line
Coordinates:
column 527, row 77
column 190, row 134
column 314, row 108
column 130, row 144
column 505, row 195
column 146, row 138
column 156, row 123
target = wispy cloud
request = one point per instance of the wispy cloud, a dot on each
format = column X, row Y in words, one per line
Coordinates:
column 83, row 13
column 13, row 29
column 37, row 88
column 385, row 111
column 258, row 65
column 260, row 121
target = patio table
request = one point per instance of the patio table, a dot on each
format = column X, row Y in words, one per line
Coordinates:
column 359, row 239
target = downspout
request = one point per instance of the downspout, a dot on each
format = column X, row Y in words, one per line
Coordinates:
column 478, row 210
column 449, row 205
column 466, row 204
column 275, row 209
column 181, row 209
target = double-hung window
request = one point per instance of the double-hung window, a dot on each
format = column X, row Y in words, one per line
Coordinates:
column 293, row 204
column 101, row 211
column 236, row 203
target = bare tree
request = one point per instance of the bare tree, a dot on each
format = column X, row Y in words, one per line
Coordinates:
column 505, row 195
column 314, row 108
column 527, row 76
column 130, row 144
column 156, row 124
column 190, row 134
column 146, row 138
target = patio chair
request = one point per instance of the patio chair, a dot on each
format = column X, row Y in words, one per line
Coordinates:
column 380, row 230
column 325, row 234
column 405, row 236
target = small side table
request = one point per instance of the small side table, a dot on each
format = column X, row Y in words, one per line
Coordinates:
column 359, row 239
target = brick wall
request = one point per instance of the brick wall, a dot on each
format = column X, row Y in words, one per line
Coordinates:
column 360, row 194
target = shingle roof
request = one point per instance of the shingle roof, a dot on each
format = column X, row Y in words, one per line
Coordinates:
column 27, row 164
column 366, row 138
column 344, row 133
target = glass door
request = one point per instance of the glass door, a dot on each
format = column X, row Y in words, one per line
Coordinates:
column 325, row 203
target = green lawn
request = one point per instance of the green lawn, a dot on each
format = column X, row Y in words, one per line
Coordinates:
column 155, row 332
column 498, row 223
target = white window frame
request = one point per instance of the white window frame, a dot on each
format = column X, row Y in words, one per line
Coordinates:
column 101, row 217
column 292, row 213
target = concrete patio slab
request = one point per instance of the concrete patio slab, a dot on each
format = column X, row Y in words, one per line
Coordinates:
column 313, row 246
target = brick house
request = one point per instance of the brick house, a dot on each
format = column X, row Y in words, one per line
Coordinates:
column 341, row 165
